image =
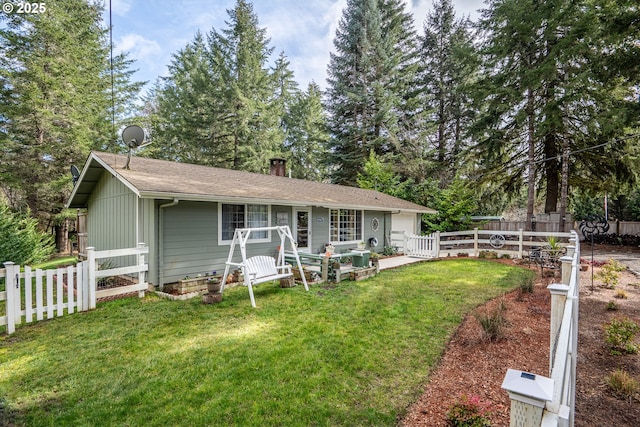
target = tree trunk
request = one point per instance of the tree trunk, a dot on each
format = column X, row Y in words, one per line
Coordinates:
column 565, row 183
column 62, row 237
column 531, row 179
column 551, row 172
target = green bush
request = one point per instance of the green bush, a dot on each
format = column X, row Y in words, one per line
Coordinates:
column 20, row 239
column 619, row 334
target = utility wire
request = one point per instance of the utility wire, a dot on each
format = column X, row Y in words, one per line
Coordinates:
column 587, row 149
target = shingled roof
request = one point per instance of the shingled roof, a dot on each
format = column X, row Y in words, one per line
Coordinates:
column 161, row 179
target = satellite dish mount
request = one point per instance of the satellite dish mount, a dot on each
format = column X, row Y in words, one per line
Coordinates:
column 134, row 137
column 75, row 174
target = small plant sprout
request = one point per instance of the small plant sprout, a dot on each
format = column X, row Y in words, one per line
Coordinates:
column 609, row 274
column 620, row 294
column 612, row 306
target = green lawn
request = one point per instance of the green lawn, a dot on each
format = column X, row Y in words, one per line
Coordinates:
column 352, row 354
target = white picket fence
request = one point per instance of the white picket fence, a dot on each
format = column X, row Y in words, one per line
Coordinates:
column 471, row 242
column 38, row 294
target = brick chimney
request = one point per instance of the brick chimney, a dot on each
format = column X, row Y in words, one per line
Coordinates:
column 278, row 167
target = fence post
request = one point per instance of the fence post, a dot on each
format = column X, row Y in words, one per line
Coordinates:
column 475, row 242
column 91, row 277
column 520, row 242
column 567, row 266
column 559, row 293
column 436, row 244
column 529, row 394
column 141, row 274
column 11, row 292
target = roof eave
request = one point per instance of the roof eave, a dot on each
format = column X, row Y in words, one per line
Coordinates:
column 266, row 201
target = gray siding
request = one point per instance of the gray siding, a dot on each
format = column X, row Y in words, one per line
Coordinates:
column 190, row 241
column 111, row 218
column 147, row 227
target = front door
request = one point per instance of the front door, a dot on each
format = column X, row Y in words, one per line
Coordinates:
column 302, row 229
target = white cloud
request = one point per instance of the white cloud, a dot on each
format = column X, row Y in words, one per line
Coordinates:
column 138, row 46
column 119, row 7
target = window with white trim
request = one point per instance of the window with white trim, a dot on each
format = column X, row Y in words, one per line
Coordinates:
column 345, row 225
column 243, row 216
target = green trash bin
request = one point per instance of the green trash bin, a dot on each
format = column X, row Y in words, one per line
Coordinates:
column 360, row 258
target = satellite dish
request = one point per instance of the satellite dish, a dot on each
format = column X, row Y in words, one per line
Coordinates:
column 75, row 174
column 134, row 137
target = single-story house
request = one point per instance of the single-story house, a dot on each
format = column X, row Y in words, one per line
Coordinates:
column 187, row 213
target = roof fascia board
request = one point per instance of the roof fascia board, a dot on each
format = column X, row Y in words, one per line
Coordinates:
column 115, row 173
column 207, row 198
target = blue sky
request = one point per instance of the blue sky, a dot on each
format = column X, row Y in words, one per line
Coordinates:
column 152, row 30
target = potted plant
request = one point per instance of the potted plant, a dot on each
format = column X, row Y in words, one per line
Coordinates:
column 213, row 285
column 361, row 246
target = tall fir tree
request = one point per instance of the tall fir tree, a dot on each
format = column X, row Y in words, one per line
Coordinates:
column 55, row 100
column 450, row 66
column 370, row 84
column 307, row 135
column 240, row 54
column 544, row 98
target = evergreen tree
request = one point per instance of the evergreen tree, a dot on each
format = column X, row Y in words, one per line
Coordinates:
column 55, row 100
column 547, row 102
column 239, row 54
column 307, row 135
column 370, row 84
column 188, row 114
column 450, row 64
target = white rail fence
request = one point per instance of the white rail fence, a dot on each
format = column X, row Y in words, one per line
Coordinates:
column 35, row 294
column 513, row 243
column 538, row 401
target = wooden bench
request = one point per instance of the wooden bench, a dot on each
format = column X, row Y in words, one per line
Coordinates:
column 261, row 269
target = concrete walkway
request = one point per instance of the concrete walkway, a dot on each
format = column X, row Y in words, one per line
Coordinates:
column 398, row 261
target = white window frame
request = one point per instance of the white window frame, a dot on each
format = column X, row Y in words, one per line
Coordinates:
column 251, row 240
column 339, row 242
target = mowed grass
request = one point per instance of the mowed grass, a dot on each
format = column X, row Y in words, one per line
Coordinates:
column 353, row 354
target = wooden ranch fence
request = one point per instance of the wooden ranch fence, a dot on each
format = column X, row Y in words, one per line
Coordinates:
column 35, row 294
column 513, row 243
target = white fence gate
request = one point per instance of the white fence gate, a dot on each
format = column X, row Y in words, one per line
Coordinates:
column 38, row 294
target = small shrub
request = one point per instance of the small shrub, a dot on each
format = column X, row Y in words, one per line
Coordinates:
column 469, row 412
column 622, row 384
column 612, row 306
column 608, row 275
column 619, row 334
column 620, row 294
column 20, row 239
column 615, row 265
column 526, row 286
column 488, row 255
column 493, row 322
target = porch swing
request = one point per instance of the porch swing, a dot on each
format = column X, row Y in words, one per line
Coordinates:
column 262, row 268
